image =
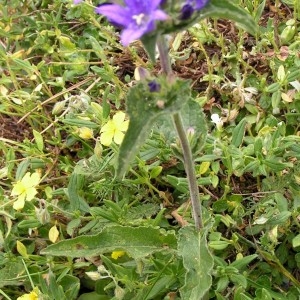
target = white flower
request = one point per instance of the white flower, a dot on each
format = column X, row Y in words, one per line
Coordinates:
column 215, row 118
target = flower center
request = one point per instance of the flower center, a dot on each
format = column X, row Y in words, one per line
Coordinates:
column 139, row 19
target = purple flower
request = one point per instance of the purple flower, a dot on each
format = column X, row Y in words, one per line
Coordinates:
column 199, row 4
column 136, row 18
column 190, row 6
column 77, row 1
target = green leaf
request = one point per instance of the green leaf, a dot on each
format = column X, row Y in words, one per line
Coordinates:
column 223, row 9
column 38, row 139
column 275, row 165
column 22, row 169
column 279, row 219
column 243, row 262
column 143, row 108
column 179, row 183
column 198, row 262
column 10, row 271
column 80, row 123
column 259, row 11
column 194, row 122
column 238, row 133
column 138, row 242
column 226, row 9
column 218, row 245
column 75, row 187
column 155, row 171
column 149, row 43
column 296, row 241
column 97, row 48
column 238, row 279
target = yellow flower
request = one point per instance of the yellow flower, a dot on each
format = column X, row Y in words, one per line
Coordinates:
column 85, row 133
column 31, row 296
column 114, row 129
column 117, row 254
column 25, row 189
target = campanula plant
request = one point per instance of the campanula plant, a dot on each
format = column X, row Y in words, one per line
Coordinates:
column 148, row 21
column 152, row 100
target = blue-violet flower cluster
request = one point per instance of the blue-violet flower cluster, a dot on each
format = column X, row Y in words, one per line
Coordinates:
column 136, row 18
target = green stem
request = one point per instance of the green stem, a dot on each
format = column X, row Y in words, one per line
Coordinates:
column 164, row 55
column 186, row 149
column 190, row 170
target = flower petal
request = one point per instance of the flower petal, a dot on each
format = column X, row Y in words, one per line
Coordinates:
column 18, row 189
column 125, row 125
column 118, row 137
column 118, row 118
column 30, row 193
column 19, row 204
column 159, row 15
column 26, row 178
column 215, row 118
column 200, row 4
column 115, row 13
column 108, row 127
column 106, row 138
column 130, row 35
column 34, row 179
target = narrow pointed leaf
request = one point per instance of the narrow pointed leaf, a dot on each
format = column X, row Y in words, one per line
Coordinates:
column 238, row 133
column 149, row 42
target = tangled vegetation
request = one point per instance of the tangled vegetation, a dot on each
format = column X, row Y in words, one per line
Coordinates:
column 70, row 229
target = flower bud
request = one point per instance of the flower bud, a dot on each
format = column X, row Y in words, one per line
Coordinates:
column 59, row 107
column 141, row 73
column 154, row 86
column 186, row 12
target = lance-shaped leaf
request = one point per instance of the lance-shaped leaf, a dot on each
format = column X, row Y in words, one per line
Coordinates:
column 137, row 242
column 198, row 262
column 144, row 107
column 149, row 42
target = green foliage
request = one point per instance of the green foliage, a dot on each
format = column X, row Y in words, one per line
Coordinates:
column 144, row 107
column 198, row 262
column 137, row 242
column 63, row 71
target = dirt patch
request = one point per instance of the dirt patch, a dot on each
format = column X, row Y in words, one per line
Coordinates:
column 11, row 130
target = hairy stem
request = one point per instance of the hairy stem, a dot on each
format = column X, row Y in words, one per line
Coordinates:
column 186, row 149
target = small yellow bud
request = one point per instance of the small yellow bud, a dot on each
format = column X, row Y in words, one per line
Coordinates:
column 85, row 133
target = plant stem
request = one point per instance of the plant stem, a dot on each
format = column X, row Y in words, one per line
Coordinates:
column 190, row 170
column 164, row 55
column 186, row 149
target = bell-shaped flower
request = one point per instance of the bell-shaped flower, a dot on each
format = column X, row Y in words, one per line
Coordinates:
column 137, row 18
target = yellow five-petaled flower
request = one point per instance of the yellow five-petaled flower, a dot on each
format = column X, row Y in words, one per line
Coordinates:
column 25, row 189
column 114, row 129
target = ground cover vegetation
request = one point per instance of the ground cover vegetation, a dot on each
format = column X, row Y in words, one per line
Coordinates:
column 71, row 229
